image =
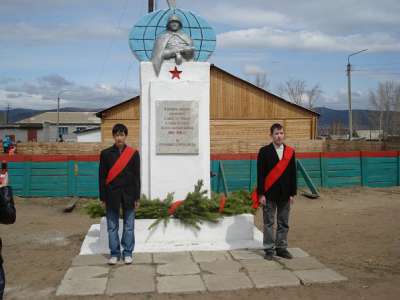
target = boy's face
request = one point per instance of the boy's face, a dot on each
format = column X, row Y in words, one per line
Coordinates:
column 119, row 138
column 278, row 136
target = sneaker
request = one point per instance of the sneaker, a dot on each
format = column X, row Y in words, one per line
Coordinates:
column 113, row 260
column 284, row 253
column 128, row 260
column 269, row 255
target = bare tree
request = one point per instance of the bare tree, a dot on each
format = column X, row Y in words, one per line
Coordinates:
column 262, row 80
column 313, row 96
column 295, row 90
column 385, row 101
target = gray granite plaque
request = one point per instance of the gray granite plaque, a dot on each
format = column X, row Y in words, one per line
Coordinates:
column 177, row 127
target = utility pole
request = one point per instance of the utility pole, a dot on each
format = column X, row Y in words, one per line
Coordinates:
column 152, row 5
column 58, row 111
column 8, row 113
column 349, row 92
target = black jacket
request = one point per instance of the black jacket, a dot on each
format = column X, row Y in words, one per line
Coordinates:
column 286, row 185
column 125, row 188
column 7, row 210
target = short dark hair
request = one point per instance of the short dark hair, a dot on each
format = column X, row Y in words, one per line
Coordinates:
column 276, row 126
column 119, row 128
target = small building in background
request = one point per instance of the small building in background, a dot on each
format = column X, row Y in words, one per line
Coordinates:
column 370, row 135
column 69, row 124
column 91, row 135
column 22, row 132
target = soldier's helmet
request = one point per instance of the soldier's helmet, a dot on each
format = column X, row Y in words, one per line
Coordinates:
column 174, row 18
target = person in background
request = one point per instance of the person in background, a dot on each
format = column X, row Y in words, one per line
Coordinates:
column 6, row 144
column 119, row 185
column 276, row 188
column 7, row 216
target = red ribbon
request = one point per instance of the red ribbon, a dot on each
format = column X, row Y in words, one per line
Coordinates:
column 222, row 203
column 174, row 206
column 120, row 164
column 274, row 175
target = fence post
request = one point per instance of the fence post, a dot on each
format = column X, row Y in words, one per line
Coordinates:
column 27, row 178
column 72, row 176
column 324, row 170
column 398, row 168
column 364, row 169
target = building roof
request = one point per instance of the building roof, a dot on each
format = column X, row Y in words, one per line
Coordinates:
column 22, row 126
column 100, row 113
column 65, row 118
column 263, row 90
column 87, row 130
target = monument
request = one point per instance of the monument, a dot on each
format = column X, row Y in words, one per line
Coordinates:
column 173, row 46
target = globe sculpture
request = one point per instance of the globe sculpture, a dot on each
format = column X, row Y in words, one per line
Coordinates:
column 146, row 31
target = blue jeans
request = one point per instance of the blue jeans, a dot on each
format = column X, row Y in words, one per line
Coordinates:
column 128, row 235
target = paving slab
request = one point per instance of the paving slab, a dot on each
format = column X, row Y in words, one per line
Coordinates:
column 221, row 267
column 308, row 277
column 247, row 254
column 227, row 282
column 132, row 279
column 302, row 263
column 89, row 260
column 180, row 284
column 86, row 272
column 142, row 258
column 274, row 278
column 178, row 268
column 208, row 256
column 256, row 265
column 170, row 257
column 85, row 280
column 82, row 287
column 297, row 252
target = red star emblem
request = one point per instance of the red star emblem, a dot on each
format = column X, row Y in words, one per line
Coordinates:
column 176, row 73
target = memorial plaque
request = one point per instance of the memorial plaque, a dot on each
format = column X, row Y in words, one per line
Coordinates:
column 177, row 127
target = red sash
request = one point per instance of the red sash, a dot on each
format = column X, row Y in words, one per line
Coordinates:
column 120, row 164
column 274, row 175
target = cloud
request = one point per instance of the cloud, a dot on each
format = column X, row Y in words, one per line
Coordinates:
column 42, row 93
column 253, row 69
column 240, row 15
column 267, row 37
column 35, row 34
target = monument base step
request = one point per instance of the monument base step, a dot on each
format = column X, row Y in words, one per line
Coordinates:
column 231, row 233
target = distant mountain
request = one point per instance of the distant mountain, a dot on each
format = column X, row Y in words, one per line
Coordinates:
column 329, row 116
column 19, row 114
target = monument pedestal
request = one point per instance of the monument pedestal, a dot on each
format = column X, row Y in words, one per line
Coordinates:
column 236, row 232
column 175, row 128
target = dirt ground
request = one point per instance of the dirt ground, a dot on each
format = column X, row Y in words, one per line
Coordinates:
column 354, row 231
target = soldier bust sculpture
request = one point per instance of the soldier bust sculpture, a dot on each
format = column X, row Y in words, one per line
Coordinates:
column 173, row 44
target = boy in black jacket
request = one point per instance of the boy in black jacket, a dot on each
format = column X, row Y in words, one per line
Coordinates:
column 276, row 188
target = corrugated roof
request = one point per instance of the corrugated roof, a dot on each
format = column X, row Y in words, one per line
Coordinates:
column 65, row 118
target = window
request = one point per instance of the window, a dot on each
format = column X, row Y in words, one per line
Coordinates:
column 63, row 130
column 80, row 128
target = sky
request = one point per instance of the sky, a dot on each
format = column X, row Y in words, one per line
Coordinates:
column 81, row 47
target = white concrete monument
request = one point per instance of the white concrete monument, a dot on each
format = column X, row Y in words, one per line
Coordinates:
column 173, row 47
column 175, row 128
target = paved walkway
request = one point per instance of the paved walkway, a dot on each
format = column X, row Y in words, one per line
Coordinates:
column 190, row 272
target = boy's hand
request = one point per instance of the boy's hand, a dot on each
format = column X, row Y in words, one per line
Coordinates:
column 291, row 199
column 137, row 204
column 103, row 204
column 263, row 200
column 4, row 181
